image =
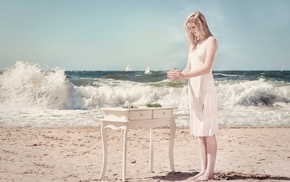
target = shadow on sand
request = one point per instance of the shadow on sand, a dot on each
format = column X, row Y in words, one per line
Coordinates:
column 180, row 176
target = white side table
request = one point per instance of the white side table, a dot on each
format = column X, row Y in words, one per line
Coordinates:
column 147, row 118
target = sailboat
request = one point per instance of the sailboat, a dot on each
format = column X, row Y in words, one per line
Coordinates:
column 128, row 68
column 147, row 71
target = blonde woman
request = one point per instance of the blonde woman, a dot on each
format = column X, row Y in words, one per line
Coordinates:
column 201, row 91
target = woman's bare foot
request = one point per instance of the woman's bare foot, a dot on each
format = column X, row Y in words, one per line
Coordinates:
column 198, row 175
column 204, row 177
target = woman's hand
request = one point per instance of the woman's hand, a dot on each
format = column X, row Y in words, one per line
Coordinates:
column 175, row 75
column 170, row 75
column 179, row 75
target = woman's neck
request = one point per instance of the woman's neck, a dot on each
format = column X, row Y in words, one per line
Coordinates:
column 200, row 39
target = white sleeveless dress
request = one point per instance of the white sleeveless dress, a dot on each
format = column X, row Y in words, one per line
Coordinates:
column 202, row 96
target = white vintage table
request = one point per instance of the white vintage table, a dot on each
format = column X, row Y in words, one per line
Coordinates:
column 147, row 118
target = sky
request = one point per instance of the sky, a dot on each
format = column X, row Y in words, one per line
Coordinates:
column 110, row 34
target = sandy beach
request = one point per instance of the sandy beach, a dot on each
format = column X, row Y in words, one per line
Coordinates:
column 75, row 154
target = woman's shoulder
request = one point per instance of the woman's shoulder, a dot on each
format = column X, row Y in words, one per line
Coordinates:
column 211, row 40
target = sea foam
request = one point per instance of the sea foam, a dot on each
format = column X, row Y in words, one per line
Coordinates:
column 27, row 85
column 33, row 96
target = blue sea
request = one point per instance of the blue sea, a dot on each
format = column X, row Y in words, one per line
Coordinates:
column 32, row 96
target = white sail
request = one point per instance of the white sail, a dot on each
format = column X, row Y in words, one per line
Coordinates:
column 147, row 71
column 128, row 68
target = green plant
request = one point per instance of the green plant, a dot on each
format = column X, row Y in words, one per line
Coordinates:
column 154, row 105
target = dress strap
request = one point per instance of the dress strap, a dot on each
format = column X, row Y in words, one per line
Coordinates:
column 207, row 39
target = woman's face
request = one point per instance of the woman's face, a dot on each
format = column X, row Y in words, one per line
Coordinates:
column 193, row 29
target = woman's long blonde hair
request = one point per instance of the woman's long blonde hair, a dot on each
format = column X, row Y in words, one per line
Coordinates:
column 199, row 20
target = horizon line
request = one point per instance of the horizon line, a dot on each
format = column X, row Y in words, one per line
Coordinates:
column 168, row 70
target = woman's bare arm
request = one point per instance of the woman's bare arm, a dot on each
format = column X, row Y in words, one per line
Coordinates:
column 209, row 59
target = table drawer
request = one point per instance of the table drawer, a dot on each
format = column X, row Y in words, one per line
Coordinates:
column 166, row 113
column 139, row 115
column 116, row 115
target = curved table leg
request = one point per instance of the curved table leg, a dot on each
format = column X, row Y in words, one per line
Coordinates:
column 124, row 153
column 171, row 144
column 105, row 150
column 151, row 151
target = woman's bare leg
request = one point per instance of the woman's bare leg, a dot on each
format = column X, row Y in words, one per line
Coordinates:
column 203, row 156
column 211, row 150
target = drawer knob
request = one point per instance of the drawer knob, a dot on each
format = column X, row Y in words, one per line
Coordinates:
column 141, row 114
column 163, row 113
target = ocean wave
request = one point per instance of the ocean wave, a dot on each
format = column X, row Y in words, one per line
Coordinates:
column 226, row 75
column 28, row 86
column 253, row 93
